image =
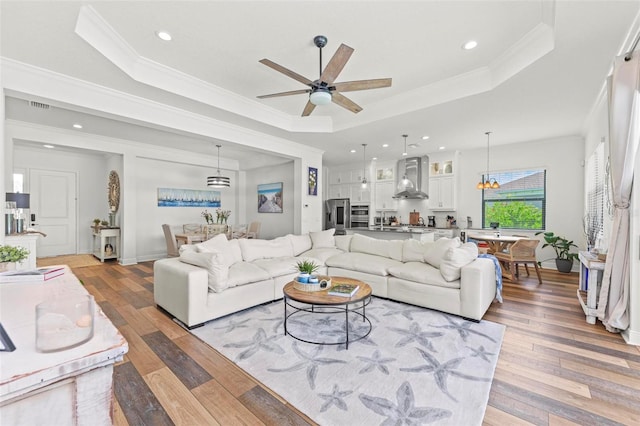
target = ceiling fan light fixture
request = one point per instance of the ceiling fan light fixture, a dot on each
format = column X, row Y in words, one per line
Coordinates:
column 320, row 96
column 218, row 181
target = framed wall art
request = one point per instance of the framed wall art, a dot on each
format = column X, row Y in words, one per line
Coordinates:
column 172, row 197
column 270, row 198
column 313, row 181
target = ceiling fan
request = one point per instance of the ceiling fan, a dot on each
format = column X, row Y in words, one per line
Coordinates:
column 323, row 90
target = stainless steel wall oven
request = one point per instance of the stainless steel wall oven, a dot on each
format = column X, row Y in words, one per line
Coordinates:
column 360, row 216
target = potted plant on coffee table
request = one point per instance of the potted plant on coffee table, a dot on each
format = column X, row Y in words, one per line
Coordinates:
column 10, row 255
column 562, row 247
column 306, row 268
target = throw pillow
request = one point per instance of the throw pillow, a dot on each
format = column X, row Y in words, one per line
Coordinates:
column 455, row 258
column 343, row 242
column 217, row 244
column 434, row 255
column 300, row 243
column 323, row 239
column 214, row 263
column 414, row 250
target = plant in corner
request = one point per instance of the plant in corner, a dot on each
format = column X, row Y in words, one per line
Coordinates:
column 562, row 247
column 306, row 268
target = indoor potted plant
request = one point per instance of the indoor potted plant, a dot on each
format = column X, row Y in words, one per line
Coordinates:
column 562, row 246
column 10, row 255
column 306, row 268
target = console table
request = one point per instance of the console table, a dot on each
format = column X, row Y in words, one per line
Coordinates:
column 28, row 241
column 73, row 386
column 103, row 237
column 591, row 270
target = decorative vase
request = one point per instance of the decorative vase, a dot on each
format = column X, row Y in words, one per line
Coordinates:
column 303, row 278
column 7, row 266
column 564, row 265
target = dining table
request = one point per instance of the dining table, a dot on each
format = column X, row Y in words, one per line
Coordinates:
column 497, row 243
column 190, row 238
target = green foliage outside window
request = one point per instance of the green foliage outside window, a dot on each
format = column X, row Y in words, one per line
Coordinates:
column 513, row 214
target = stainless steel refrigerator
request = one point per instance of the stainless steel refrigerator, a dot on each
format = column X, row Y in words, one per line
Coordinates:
column 337, row 215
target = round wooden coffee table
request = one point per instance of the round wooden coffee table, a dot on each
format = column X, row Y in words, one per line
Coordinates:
column 321, row 302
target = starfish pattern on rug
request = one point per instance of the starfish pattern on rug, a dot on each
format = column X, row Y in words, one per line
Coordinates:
column 233, row 324
column 335, row 398
column 441, row 372
column 406, row 311
column 259, row 342
column 355, row 331
column 481, row 353
column 311, row 361
column 375, row 362
column 415, row 334
column 463, row 328
column 405, row 411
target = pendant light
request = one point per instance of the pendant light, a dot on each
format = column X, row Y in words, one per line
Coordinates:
column 488, row 184
column 364, row 166
column 218, row 181
column 405, row 184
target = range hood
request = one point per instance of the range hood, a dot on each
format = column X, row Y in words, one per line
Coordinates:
column 416, row 171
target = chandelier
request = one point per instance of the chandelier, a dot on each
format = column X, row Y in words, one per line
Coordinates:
column 488, row 183
column 218, row 181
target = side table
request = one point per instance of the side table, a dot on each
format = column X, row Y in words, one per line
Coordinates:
column 591, row 270
column 105, row 237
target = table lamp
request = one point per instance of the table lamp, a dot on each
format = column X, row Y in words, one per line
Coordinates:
column 22, row 202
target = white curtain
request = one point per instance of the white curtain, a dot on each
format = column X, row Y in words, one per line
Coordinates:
column 624, row 135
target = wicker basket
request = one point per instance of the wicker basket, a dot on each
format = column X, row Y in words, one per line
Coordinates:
column 315, row 286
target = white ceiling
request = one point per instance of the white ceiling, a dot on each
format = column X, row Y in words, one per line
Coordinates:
column 535, row 74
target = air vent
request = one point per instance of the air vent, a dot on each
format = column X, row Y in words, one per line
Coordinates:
column 40, row 105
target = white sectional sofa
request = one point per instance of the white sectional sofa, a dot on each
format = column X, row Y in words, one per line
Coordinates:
column 219, row 277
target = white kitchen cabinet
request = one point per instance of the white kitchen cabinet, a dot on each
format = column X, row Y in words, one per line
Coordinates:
column 340, row 191
column 384, row 196
column 442, row 195
column 358, row 194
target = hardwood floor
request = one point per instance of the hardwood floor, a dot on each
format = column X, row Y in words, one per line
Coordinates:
column 554, row 368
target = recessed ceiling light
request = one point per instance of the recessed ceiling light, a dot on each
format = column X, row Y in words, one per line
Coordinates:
column 441, row 148
column 385, row 145
column 48, row 146
column 374, row 158
column 163, row 35
column 77, row 126
column 353, row 151
column 470, row 45
column 424, row 138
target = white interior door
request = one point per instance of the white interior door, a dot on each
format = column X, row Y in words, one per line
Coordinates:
column 53, row 202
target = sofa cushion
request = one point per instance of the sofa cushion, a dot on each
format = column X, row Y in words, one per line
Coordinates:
column 434, row 255
column 214, row 263
column 235, row 250
column 414, row 250
column 422, row 273
column 319, row 255
column 300, row 243
column 242, row 273
column 279, row 266
column 391, row 249
column 217, row 244
column 323, row 239
column 455, row 258
column 253, row 249
column 363, row 262
column 343, row 242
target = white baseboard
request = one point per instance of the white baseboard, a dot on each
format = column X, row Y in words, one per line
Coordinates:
column 631, row 337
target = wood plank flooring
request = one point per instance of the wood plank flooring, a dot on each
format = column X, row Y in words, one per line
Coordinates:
column 554, row 368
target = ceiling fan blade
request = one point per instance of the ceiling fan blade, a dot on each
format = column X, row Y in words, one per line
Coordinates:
column 285, row 71
column 336, row 64
column 292, row 92
column 351, row 86
column 308, row 109
column 345, row 102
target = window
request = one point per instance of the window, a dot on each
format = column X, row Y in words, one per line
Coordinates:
column 519, row 203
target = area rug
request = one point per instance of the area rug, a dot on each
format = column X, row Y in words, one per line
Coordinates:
column 417, row 366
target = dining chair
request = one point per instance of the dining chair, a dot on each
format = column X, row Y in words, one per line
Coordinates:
column 192, row 228
column 254, row 230
column 523, row 252
column 170, row 239
column 239, row 231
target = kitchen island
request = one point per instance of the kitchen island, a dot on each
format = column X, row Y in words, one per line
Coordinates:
column 396, row 233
